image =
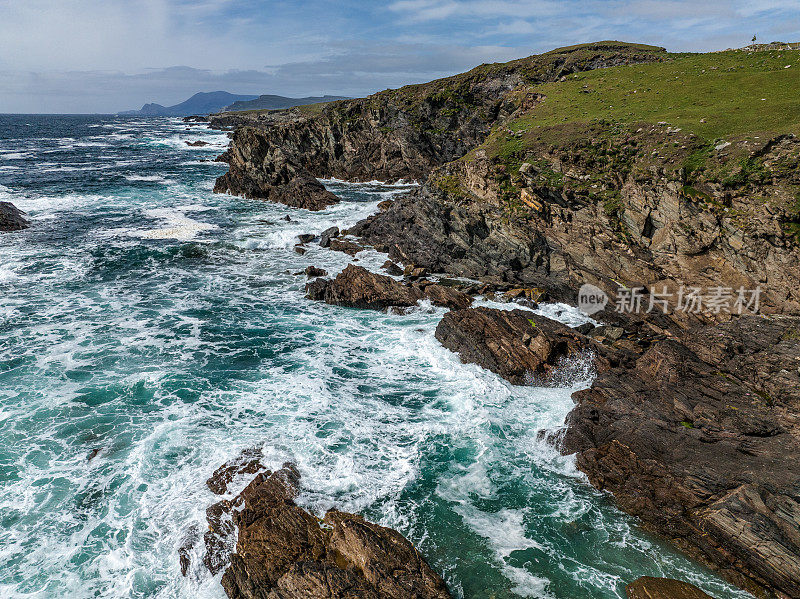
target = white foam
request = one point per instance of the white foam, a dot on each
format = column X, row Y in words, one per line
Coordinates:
column 178, row 225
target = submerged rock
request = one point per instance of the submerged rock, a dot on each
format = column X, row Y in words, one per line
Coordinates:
column 357, row 287
column 518, row 345
column 647, row 587
column 284, row 552
column 11, row 218
column 197, row 144
column 247, row 462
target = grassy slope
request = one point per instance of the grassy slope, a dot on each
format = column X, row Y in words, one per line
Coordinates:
column 743, row 97
column 717, row 95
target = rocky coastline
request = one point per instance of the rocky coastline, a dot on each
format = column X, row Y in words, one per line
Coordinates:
column 693, row 420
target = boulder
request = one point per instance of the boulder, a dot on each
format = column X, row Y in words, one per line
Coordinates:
column 648, row 587
column 306, row 237
column 392, row 268
column 284, row 552
column 197, row 144
column 313, row 272
column 357, row 287
column 520, row 346
column 11, row 218
column 326, row 236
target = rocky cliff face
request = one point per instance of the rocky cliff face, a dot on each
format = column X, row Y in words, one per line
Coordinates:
column 396, row 133
column 607, row 209
column 694, row 428
column 697, row 437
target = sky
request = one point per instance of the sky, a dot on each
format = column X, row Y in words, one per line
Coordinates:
column 85, row 56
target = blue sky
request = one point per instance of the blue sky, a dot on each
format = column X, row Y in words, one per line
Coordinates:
column 110, row 55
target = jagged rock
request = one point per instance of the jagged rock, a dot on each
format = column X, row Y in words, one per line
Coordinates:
column 11, row 218
column 348, row 247
column 299, row 248
column 313, row 271
column 259, row 169
column 185, row 550
column 518, row 345
column 326, row 236
column 647, row 587
column 357, row 287
column 197, row 144
column 640, row 239
column 698, row 438
column 283, row 552
column 306, row 237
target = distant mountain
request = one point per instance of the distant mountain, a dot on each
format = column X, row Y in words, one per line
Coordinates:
column 201, row 103
column 268, row 102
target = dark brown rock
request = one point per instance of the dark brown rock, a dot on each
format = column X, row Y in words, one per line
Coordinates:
column 11, row 218
column 699, row 439
column 326, row 236
column 357, row 287
column 392, row 268
column 444, row 296
column 313, row 272
column 647, row 587
column 520, row 346
column 283, row 552
column 197, row 144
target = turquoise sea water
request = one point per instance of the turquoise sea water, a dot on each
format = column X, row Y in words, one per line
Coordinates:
column 151, row 330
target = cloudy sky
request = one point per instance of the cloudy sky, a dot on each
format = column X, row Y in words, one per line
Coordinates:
column 111, row 55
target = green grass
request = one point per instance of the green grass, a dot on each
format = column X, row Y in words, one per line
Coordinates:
column 734, row 92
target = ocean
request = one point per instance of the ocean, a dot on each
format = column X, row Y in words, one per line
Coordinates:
column 150, row 330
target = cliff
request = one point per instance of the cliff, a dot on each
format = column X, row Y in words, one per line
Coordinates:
column 400, row 133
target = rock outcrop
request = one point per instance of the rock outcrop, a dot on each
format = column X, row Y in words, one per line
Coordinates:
column 521, row 346
column 648, row 587
column 284, row 552
column 698, row 438
column 357, row 287
column 11, row 218
column 261, row 170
